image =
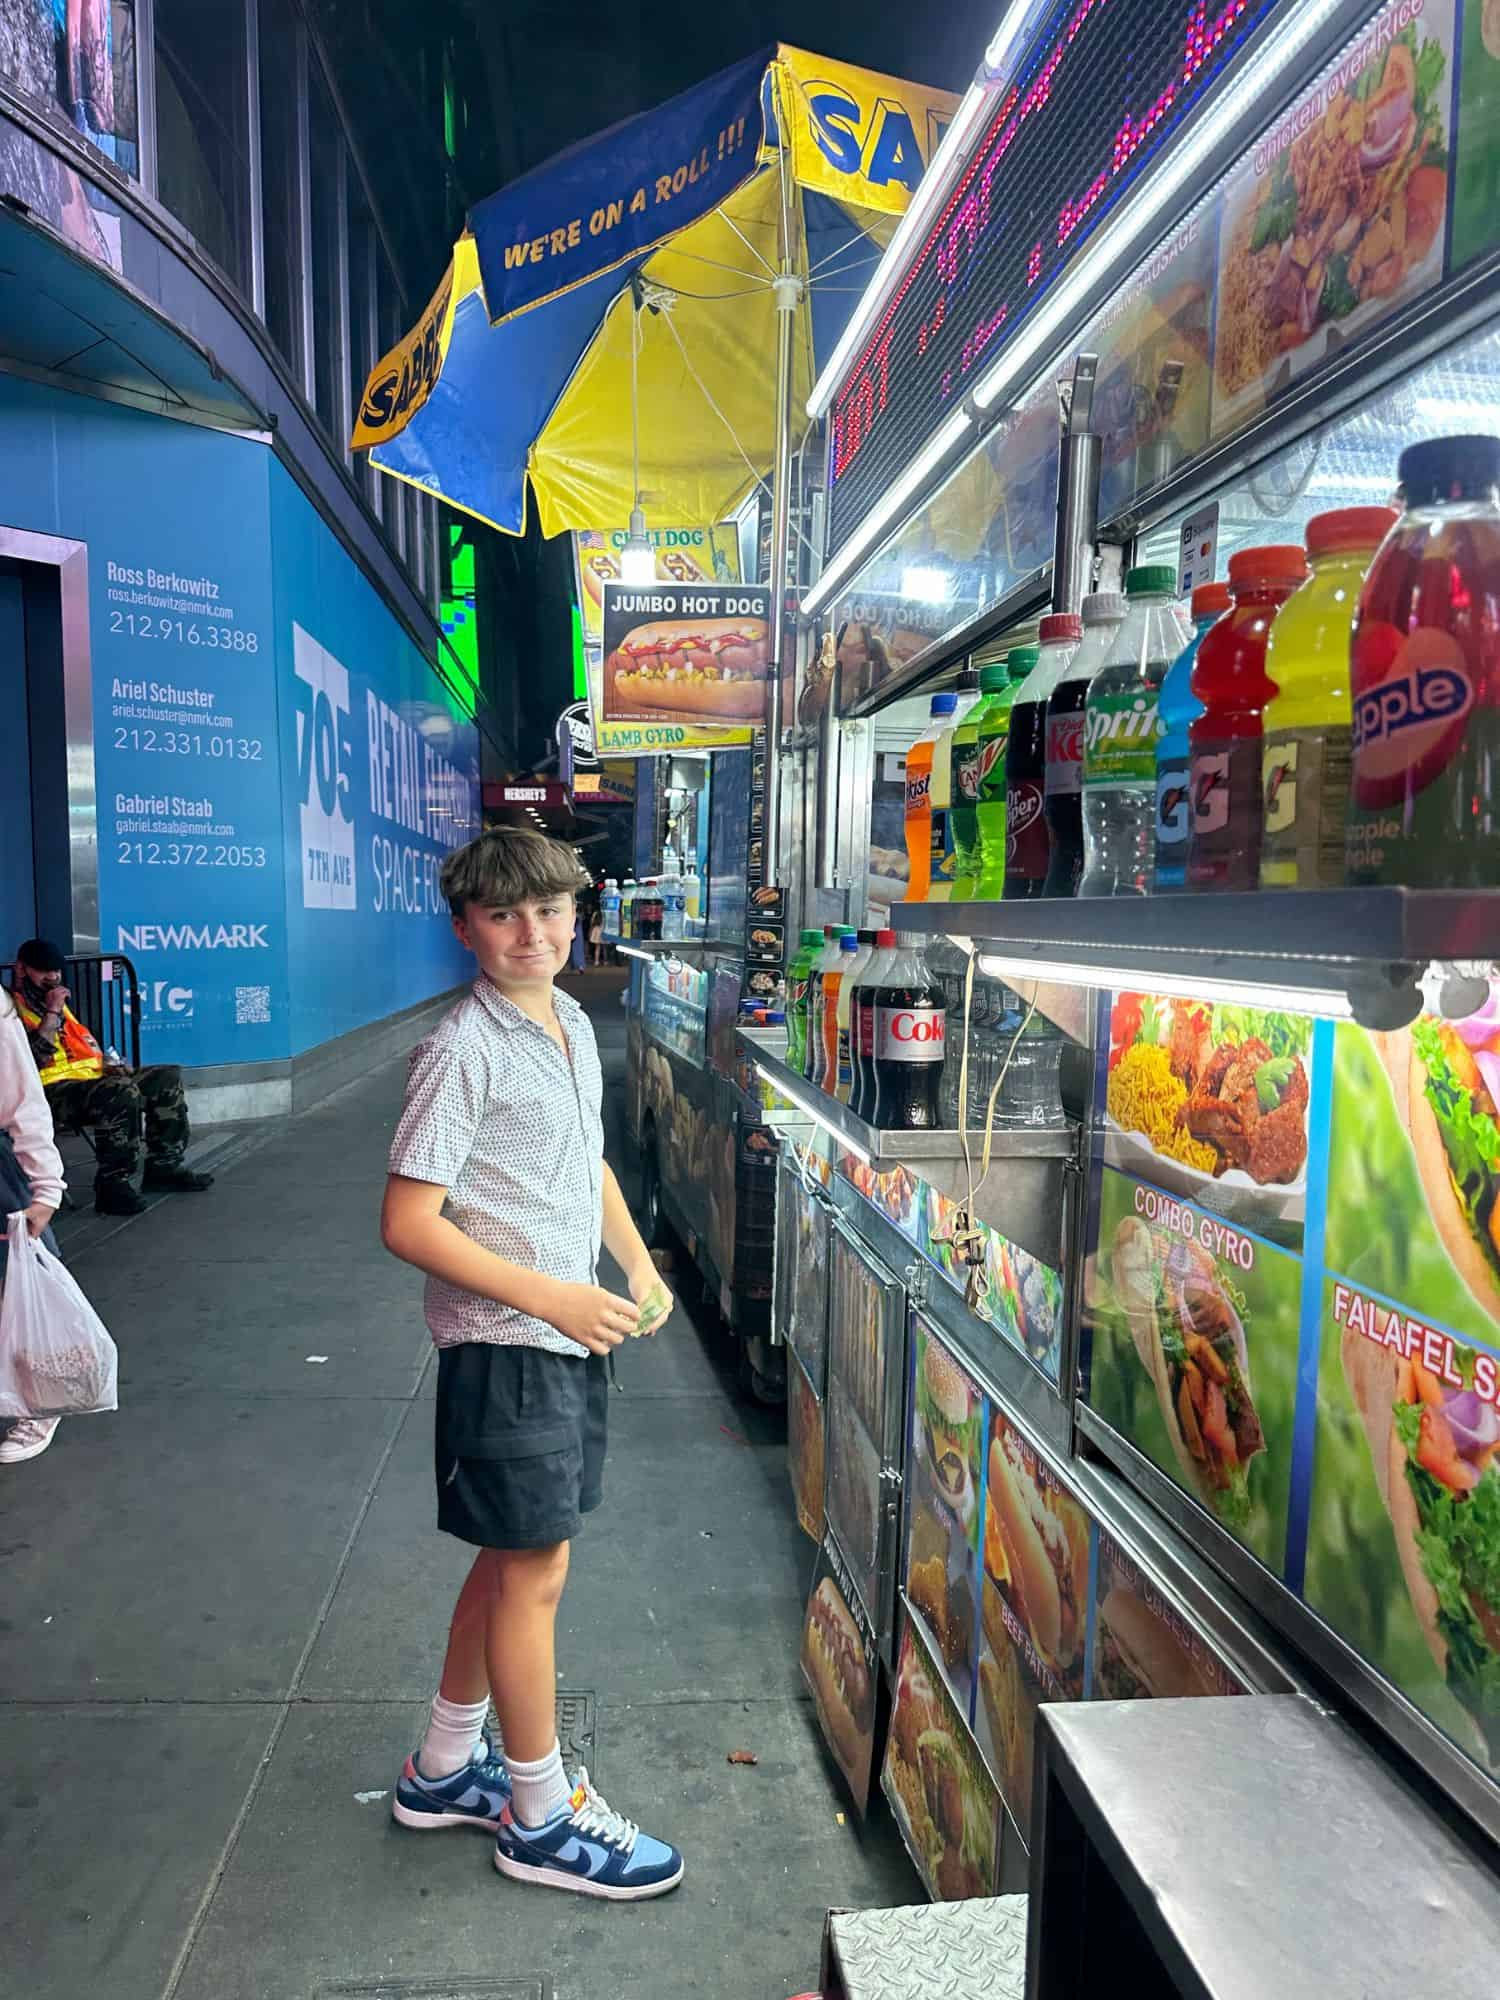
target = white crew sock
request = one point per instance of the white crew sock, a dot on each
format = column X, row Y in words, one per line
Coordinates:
column 539, row 1791
column 452, row 1736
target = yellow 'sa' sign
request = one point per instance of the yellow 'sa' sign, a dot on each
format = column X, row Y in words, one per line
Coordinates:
column 856, row 135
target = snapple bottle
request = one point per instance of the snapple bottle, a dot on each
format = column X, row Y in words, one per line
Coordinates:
column 1424, row 786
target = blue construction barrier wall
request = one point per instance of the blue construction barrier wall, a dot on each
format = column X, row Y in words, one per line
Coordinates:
column 278, row 771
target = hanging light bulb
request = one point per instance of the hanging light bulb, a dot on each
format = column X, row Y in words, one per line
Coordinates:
column 637, row 558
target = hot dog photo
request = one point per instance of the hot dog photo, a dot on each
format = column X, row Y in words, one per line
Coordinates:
column 947, row 1421
column 944, row 1799
column 1144, row 1648
column 838, row 1664
column 694, row 653
column 1036, row 1551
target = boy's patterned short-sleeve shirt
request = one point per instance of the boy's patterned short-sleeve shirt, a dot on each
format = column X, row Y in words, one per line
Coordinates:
column 514, row 1130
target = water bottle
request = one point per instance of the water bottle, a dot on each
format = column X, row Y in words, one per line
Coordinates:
column 609, row 907
column 1030, row 1095
column 979, row 1052
column 1121, row 727
column 674, row 900
column 947, row 963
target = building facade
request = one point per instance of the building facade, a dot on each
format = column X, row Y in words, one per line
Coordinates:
column 245, row 740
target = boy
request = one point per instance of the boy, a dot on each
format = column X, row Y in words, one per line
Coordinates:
column 502, row 1127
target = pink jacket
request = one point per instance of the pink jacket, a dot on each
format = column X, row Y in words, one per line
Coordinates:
column 24, row 1111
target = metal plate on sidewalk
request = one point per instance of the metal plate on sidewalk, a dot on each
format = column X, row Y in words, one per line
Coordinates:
column 535, row 1988
column 932, row 1951
column 575, row 1729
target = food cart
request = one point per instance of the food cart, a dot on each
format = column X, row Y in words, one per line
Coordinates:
column 1265, row 256
column 707, row 1156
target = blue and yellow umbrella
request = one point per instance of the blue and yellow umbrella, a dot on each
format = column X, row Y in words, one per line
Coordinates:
column 631, row 287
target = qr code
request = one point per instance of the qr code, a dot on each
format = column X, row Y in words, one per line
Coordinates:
column 251, row 1004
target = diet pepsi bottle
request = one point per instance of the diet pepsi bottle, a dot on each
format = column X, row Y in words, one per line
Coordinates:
column 909, row 1023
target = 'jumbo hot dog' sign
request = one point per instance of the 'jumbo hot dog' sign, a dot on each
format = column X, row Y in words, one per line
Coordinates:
column 692, row 653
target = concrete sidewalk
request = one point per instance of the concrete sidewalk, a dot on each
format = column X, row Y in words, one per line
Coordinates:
column 222, row 1613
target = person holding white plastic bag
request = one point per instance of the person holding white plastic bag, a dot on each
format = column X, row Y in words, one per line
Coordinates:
column 31, row 1176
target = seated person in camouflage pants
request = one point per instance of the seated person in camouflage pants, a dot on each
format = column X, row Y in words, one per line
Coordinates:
column 85, row 1089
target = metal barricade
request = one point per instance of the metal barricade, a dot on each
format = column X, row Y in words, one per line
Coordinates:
column 106, row 997
column 105, row 994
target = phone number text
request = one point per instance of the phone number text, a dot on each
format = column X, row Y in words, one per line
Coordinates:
column 188, row 854
column 184, row 632
column 190, row 743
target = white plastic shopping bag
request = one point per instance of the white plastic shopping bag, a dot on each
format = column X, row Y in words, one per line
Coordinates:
column 56, row 1359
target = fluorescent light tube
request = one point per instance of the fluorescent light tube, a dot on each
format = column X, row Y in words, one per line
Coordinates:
column 818, row 1117
column 1120, row 979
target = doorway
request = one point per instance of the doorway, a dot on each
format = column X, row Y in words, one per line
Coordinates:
column 49, row 858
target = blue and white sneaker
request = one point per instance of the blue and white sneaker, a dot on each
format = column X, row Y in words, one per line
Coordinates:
column 589, row 1849
column 475, row 1796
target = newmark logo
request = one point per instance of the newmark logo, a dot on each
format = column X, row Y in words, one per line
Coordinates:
column 192, row 937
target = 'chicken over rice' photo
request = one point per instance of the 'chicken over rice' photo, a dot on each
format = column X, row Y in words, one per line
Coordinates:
column 1219, row 1092
column 1339, row 214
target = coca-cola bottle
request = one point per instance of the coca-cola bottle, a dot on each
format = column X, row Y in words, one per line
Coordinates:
column 909, row 1024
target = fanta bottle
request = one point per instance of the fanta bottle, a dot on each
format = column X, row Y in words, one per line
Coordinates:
column 919, row 798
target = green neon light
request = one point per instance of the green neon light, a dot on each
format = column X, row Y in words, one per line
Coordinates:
column 456, row 611
column 580, row 658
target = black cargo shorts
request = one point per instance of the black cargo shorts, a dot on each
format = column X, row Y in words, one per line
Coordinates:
column 518, row 1443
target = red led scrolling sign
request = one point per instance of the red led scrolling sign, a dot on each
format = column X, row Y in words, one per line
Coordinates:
column 979, row 273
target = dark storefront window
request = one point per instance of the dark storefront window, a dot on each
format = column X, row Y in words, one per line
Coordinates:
column 364, row 336
column 392, row 321
column 330, row 280
column 202, row 118
column 280, row 85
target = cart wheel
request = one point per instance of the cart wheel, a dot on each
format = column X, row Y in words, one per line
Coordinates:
column 761, row 1370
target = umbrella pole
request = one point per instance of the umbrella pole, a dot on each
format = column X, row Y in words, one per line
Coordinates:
column 783, row 629
column 787, row 289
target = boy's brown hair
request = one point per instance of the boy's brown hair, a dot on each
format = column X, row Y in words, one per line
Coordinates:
column 507, row 865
